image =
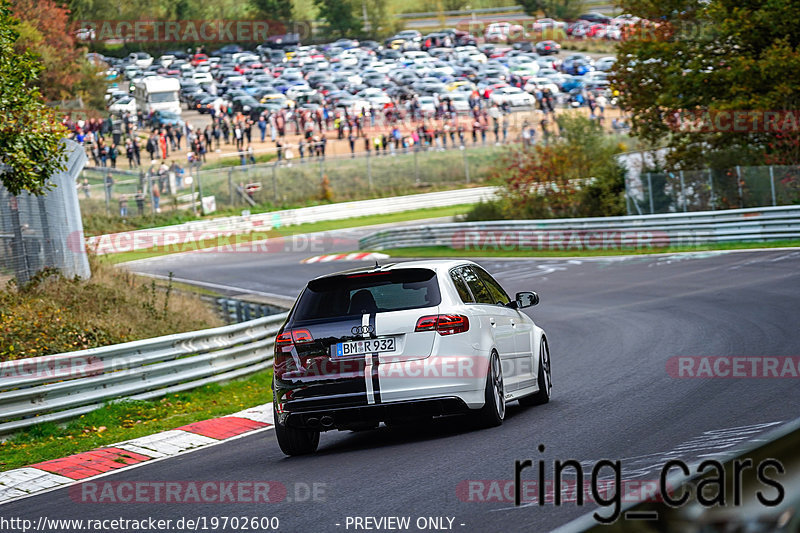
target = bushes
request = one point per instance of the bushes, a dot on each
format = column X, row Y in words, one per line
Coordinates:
column 575, row 175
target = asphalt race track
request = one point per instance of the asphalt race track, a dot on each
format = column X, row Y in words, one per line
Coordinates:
column 612, row 325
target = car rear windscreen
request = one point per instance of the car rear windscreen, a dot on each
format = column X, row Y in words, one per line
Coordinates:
column 368, row 292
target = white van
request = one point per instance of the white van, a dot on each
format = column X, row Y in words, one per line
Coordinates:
column 157, row 93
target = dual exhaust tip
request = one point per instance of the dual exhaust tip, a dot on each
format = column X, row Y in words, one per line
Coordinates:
column 325, row 421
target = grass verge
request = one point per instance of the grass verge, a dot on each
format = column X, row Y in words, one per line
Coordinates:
column 131, row 419
column 53, row 314
column 417, row 214
column 443, row 251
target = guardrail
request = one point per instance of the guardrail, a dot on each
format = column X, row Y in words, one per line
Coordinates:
column 675, row 229
column 234, row 310
column 63, row 386
column 236, row 225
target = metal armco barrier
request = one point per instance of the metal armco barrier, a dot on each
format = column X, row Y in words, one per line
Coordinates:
column 644, row 231
column 59, row 387
column 233, row 310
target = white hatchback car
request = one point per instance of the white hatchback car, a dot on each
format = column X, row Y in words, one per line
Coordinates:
column 404, row 342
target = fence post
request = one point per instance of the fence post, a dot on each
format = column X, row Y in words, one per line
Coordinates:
column 18, row 243
column 650, row 191
column 107, row 191
column 150, row 192
column 466, row 163
column 772, row 185
column 194, row 202
column 47, row 241
column 369, row 170
column 711, row 187
column 739, row 184
column 230, row 186
column 416, row 162
column 683, row 192
column 200, row 188
column 275, row 181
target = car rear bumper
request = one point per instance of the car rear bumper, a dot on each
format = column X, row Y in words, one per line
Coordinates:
column 349, row 417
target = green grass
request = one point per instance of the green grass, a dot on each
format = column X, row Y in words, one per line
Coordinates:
column 443, row 251
column 434, row 212
column 130, row 419
column 235, row 161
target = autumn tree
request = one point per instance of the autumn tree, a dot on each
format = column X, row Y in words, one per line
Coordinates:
column 696, row 60
column 574, row 174
column 30, row 135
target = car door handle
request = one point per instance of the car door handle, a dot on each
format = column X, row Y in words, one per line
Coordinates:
column 492, row 322
column 513, row 324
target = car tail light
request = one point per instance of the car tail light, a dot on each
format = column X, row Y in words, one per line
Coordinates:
column 443, row 324
column 285, row 341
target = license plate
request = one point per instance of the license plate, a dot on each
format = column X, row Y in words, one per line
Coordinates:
column 346, row 349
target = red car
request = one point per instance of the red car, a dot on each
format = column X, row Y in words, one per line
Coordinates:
column 199, row 58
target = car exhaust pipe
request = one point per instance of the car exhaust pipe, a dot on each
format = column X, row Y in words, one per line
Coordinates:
column 326, row 421
column 312, row 422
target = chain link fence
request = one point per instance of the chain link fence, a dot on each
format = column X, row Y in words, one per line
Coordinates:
column 44, row 231
column 712, row 189
column 290, row 181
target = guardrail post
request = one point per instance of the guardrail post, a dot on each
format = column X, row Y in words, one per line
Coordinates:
column 650, row 191
column 739, row 183
column 713, row 199
column 466, row 163
column 683, row 192
column 772, row 184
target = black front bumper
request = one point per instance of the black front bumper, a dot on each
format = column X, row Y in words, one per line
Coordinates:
column 350, row 417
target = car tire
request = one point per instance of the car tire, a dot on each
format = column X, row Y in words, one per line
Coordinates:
column 494, row 407
column 543, row 395
column 295, row 441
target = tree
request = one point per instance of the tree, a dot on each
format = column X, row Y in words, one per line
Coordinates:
column 44, row 28
column 692, row 61
column 30, row 135
column 342, row 17
column 273, row 10
column 574, row 175
column 557, row 9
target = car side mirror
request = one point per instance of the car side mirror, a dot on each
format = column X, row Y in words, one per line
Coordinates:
column 526, row 299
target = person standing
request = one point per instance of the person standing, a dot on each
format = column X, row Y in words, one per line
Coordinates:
column 156, row 193
column 137, row 152
column 113, row 151
column 262, row 127
column 129, row 152
column 123, row 206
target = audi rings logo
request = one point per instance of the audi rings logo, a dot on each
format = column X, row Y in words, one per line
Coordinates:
column 360, row 330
